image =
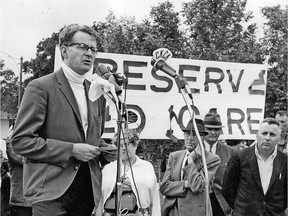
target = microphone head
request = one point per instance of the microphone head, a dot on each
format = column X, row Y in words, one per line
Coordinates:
column 102, row 71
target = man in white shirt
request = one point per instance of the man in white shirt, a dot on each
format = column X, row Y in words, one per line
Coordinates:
column 213, row 126
column 255, row 180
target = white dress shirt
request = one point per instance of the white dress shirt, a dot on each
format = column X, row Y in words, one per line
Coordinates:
column 265, row 168
column 207, row 147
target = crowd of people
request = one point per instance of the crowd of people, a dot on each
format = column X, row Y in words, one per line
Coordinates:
column 57, row 167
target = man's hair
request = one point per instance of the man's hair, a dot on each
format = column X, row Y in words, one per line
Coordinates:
column 270, row 121
column 68, row 32
column 282, row 113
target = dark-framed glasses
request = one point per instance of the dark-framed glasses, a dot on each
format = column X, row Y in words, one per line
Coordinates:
column 84, row 47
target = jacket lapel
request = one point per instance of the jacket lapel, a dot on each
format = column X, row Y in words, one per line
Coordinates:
column 218, row 148
column 178, row 165
column 68, row 93
column 252, row 160
column 277, row 166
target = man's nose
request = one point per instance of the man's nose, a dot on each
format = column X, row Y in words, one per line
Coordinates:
column 89, row 52
column 268, row 137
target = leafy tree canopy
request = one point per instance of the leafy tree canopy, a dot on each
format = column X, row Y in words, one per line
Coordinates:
column 9, row 93
column 275, row 45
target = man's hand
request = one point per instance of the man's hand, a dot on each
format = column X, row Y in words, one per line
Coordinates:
column 84, row 152
column 186, row 184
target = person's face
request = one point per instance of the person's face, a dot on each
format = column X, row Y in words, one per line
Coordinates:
column 267, row 138
column 283, row 123
column 77, row 58
column 131, row 150
column 190, row 140
column 213, row 135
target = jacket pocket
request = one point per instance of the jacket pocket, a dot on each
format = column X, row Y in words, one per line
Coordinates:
column 34, row 177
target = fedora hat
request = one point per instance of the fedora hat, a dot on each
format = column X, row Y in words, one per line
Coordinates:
column 200, row 126
column 212, row 120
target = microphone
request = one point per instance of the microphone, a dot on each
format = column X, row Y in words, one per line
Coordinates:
column 161, row 65
column 116, row 79
column 158, row 63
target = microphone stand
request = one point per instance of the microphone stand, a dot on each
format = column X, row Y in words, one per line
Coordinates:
column 181, row 83
column 123, row 108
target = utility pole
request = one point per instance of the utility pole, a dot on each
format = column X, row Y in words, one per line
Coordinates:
column 20, row 82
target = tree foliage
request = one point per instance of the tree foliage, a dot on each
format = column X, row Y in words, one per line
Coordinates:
column 275, row 44
column 43, row 64
column 9, row 93
column 217, row 33
column 126, row 36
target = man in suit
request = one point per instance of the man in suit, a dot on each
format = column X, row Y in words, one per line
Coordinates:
column 58, row 131
column 213, row 126
column 184, row 183
column 255, row 180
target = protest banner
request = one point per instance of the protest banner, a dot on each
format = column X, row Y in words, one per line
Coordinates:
column 236, row 91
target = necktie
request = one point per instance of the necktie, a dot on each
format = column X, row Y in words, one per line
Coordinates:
column 210, row 150
column 185, row 164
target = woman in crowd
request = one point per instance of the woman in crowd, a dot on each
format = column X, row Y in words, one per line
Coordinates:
column 136, row 174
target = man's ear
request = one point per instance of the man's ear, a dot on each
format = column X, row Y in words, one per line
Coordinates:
column 64, row 52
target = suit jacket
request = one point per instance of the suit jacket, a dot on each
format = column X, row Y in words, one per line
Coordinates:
column 186, row 202
column 16, row 180
column 243, row 190
column 224, row 152
column 47, row 126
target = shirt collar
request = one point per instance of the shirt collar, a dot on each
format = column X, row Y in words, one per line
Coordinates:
column 272, row 156
column 207, row 144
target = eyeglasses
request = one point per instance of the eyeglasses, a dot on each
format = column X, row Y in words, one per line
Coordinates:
column 84, row 47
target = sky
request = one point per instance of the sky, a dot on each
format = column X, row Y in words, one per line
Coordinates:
column 24, row 23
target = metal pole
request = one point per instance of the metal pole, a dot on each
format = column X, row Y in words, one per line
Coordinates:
column 20, row 82
column 205, row 169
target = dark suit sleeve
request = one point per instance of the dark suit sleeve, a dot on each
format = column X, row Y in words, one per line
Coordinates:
column 169, row 186
column 12, row 156
column 231, row 180
column 26, row 139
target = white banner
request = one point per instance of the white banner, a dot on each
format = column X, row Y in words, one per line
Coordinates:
column 236, row 91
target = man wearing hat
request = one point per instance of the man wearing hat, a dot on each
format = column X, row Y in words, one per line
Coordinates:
column 183, row 183
column 213, row 126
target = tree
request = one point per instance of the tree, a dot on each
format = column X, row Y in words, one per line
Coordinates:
column 9, row 93
column 275, row 44
column 125, row 36
column 116, row 35
column 43, row 64
column 217, row 32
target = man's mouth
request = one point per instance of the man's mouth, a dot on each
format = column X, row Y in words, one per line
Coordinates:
column 87, row 62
